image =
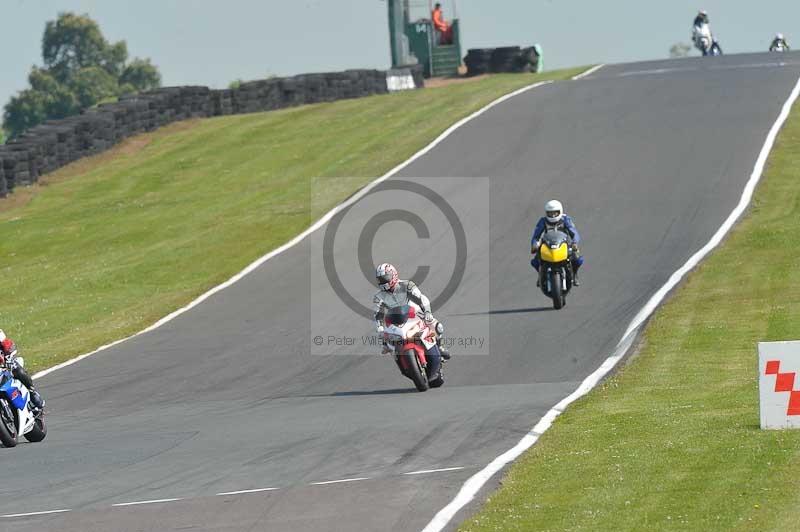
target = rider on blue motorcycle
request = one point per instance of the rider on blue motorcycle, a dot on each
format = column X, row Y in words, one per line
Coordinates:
column 556, row 219
column 9, row 354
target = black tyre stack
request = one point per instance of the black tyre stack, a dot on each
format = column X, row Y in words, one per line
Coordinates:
column 504, row 59
column 500, row 60
column 51, row 145
column 477, row 61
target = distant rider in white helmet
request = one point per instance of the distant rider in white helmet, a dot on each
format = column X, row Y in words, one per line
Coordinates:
column 700, row 29
column 779, row 44
column 555, row 219
column 395, row 292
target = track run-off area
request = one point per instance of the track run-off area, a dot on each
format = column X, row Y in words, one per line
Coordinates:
column 228, row 417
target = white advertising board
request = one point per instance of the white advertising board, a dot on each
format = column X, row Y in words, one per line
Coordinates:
column 779, row 384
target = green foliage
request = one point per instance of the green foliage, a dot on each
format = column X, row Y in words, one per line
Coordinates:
column 92, row 84
column 680, row 49
column 80, row 69
column 141, row 75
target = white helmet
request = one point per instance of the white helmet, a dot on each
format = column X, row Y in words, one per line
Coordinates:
column 553, row 211
column 387, row 276
column 779, row 36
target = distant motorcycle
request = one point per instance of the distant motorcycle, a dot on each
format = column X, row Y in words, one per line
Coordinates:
column 705, row 41
column 779, row 47
column 409, row 336
column 709, row 47
column 18, row 417
column 555, row 266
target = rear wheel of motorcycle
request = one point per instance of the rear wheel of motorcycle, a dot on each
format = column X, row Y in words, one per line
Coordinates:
column 416, row 372
column 39, row 430
column 8, row 427
column 556, row 290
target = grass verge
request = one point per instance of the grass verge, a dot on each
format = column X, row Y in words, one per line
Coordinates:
column 108, row 245
column 672, row 442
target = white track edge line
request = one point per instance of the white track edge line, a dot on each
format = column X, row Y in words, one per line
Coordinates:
column 326, row 482
column 440, row 470
column 474, row 483
column 299, row 238
column 588, row 72
column 241, row 492
column 153, row 501
column 38, row 513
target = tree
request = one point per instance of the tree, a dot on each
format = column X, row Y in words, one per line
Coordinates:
column 93, row 84
column 141, row 75
column 680, row 49
column 81, row 68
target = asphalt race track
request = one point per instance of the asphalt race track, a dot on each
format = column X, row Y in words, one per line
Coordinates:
column 650, row 158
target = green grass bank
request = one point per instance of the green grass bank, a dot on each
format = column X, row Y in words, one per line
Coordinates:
column 107, row 246
column 672, row 441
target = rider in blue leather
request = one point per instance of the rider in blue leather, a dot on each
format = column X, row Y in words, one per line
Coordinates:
column 555, row 218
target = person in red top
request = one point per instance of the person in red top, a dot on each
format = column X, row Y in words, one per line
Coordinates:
column 444, row 30
column 8, row 356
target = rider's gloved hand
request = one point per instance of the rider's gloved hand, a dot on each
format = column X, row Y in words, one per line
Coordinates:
column 379, row 329
column 428, row 317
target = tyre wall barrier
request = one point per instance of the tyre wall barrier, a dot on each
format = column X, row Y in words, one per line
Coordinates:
column 56, row 143
column 496, row 60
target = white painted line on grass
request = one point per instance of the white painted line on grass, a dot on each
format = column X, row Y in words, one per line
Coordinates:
column 38, row 513
column 240, row 492
column 589, row 72
column 338, row 481
column 475, row 482
column 299, row 238
column 426, row 471
column 154, row 501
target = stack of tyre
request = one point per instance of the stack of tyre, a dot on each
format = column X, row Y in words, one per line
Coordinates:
column 477, row 61
column 53, row 144
column 498, row 60
column 505, row 59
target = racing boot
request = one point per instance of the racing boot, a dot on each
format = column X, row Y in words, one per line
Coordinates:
column 444, row 352
column 36, row 401
column 575, row 281
column 440, row 342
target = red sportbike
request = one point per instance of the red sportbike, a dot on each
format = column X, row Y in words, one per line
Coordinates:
column 409, row 337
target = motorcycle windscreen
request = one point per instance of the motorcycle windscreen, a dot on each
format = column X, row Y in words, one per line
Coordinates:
column 398, row 316
column 555, row 246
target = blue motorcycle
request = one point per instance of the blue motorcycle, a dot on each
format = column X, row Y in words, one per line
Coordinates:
column 18, row 417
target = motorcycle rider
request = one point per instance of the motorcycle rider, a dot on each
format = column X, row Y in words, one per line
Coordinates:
column 395, row 292
column 701, row 18
column 9, row 354
column 777, row 42
column 702, row 29
column 555, row 219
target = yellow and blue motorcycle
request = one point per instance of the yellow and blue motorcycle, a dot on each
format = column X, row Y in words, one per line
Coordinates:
column 555, row 266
